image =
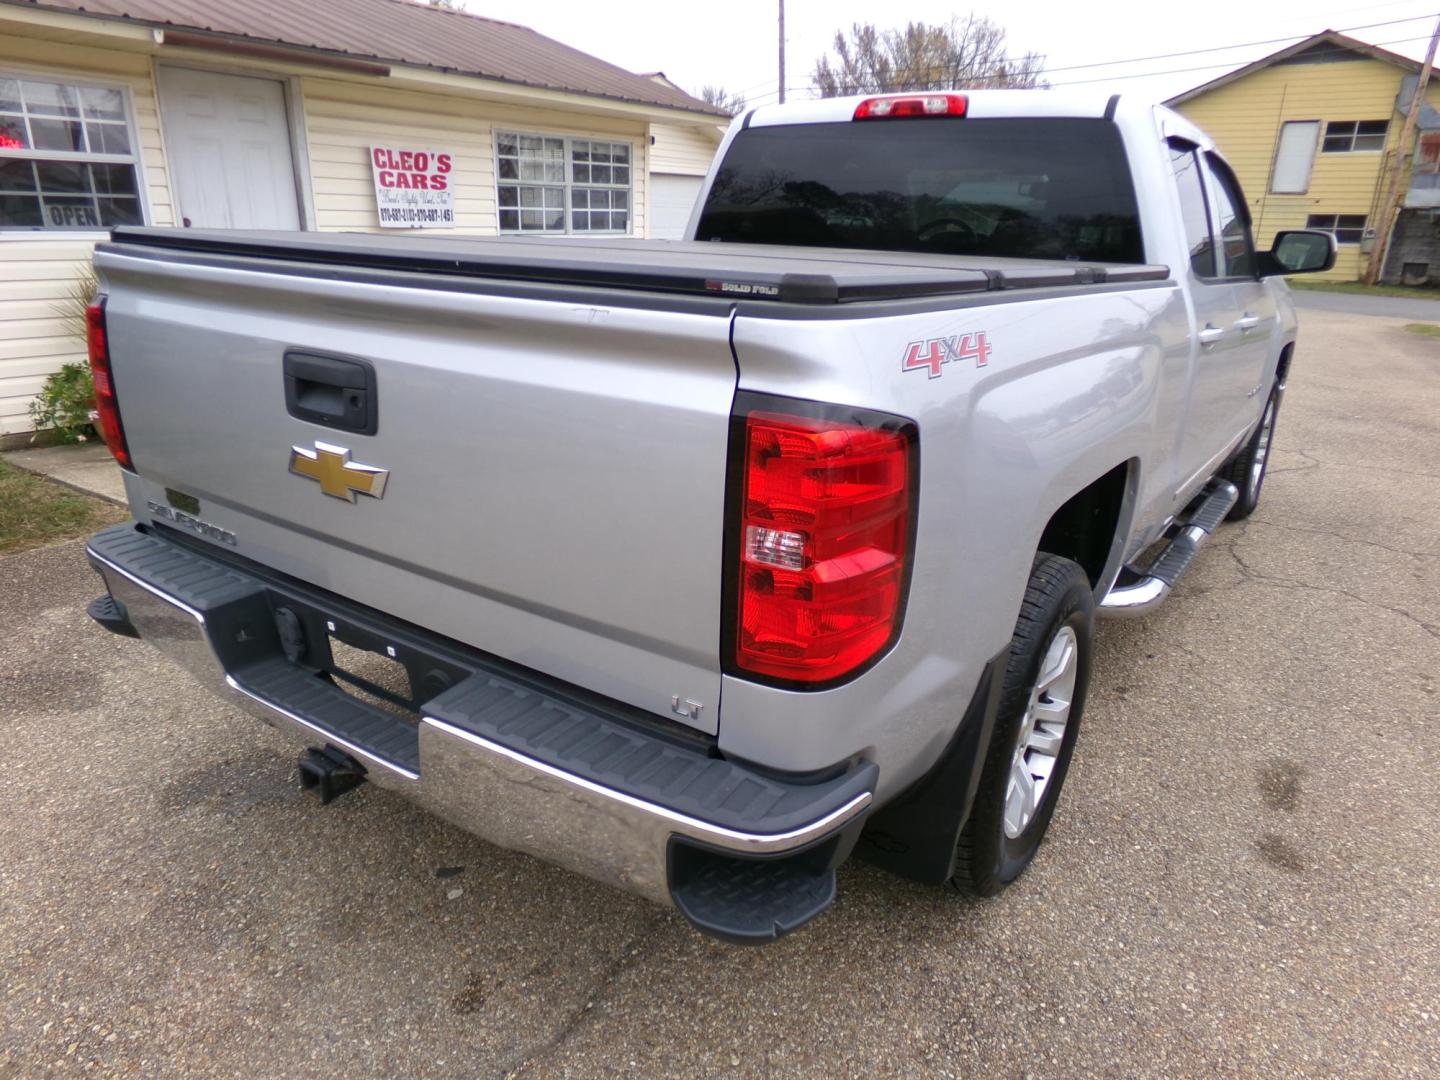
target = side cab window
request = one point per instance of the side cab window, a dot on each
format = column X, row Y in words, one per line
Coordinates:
column 1194, row 208
column 1237, row 245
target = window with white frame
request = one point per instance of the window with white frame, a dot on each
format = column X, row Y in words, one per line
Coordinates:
column 557, row 184
column 68, row 158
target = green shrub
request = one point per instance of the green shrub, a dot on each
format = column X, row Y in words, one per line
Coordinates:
column 66, row 404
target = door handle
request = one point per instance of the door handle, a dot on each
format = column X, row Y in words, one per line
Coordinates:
column 1246, row 322
column 1209, row 334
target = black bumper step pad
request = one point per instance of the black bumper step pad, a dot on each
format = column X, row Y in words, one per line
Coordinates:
column 281, row 685
column 615, row 754
column 564, row 728
column 240, row 625
column 752, row 901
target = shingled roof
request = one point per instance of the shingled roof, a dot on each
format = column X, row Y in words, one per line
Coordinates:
column 395, row 32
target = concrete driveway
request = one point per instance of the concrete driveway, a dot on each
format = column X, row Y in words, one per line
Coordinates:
column 1244, row 876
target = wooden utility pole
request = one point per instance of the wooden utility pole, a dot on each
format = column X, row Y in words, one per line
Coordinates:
column 782, row 52
column 1396, row 181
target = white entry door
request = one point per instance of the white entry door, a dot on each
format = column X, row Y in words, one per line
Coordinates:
column 228, row 144
column 672, row 197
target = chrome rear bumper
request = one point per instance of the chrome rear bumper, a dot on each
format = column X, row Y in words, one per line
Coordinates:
column 597, row 812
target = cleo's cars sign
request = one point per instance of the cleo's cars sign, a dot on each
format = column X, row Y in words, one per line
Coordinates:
column 414, row 189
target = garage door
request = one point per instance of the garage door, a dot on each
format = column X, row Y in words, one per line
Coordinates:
column 671, row 200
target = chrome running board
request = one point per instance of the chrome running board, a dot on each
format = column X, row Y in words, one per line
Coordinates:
column 1138, row 592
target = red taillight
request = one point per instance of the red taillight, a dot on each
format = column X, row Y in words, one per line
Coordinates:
column 888, row 108
column 107, row 410
column 824, row 524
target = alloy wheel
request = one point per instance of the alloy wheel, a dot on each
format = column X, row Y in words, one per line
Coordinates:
column 1042, row 731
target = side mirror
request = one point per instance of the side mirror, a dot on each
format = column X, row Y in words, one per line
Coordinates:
column 1299, row 251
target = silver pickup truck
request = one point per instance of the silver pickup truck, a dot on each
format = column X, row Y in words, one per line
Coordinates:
column 698, row 566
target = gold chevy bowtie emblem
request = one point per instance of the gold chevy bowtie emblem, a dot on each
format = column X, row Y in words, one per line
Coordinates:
column 338, row 475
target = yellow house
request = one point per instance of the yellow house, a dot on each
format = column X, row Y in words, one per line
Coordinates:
column 1311, row 131
column 326, row 114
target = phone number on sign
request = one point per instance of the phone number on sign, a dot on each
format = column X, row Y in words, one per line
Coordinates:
column 416, row 215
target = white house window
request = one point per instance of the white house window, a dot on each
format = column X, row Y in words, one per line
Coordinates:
column 1348, row 228
column 67, row 157
column 551, row 184
column 1347, row 136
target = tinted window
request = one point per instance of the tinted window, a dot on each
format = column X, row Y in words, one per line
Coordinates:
column 1044, row 189
column 1192, row 209
column 1237, row 248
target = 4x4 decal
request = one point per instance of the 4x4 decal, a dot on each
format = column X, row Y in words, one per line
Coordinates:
column 930, row 354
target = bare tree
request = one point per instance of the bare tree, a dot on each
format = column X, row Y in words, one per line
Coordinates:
column 722, row 99
column 966, row 53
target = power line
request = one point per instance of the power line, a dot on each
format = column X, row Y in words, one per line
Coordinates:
column 1211, row 67
column 1154, row 74
column 1226, row 48
column 1159, row 56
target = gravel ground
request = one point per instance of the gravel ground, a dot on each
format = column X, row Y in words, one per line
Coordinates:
column 1243, row 877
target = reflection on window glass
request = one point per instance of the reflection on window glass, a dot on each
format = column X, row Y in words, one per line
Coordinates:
column 1354, row 136
column 13, row 135
column 540, row 176
column 1193, row 210
column 50, row 99
column 1032, row 188
column 91, row 182
column 1236, row 246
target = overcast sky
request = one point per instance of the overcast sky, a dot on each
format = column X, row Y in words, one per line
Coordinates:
column 734, row 44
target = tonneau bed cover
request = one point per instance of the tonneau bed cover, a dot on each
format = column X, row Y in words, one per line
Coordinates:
column 740, row 271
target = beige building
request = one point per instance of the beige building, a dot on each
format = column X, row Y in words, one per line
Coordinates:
column 327, row 114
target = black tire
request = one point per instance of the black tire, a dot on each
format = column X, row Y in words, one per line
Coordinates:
column 1242, row 471
column 1058, row 595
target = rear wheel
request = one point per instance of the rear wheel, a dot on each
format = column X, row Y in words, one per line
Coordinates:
column 1035, row 730
column 1247, row 468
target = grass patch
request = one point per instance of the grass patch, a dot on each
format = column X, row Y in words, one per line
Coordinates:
column 34, row 511
column 1356, row 288
column 1424, row 329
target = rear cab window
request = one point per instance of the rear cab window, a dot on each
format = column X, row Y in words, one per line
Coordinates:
column 1004, row 187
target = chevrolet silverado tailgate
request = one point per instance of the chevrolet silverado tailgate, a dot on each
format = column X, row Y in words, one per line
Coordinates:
column 553, row 458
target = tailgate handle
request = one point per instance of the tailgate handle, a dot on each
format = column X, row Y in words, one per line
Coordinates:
column 333, row 391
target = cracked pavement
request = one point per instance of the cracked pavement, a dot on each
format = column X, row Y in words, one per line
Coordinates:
column 1243, row 877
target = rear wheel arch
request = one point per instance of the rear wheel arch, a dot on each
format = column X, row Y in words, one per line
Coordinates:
column 1089, row 527
column 1282, row 366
